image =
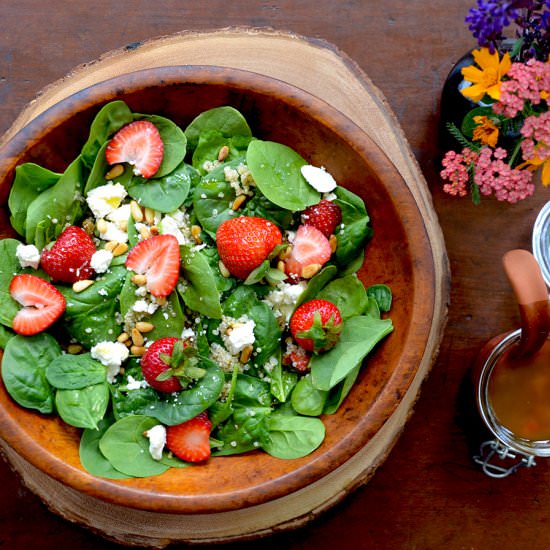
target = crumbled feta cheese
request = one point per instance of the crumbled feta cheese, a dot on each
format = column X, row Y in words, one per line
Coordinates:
column 102, row 292
column 28, row 255
column 157, row 440
column 113, row 233
column 142, row 306
column 188, row 333
column 318, row 178
column 106, row 198
column 112, row 355
column 101, row 260
column 170, row 226
column 133, row 384
column 240, row 335
column 329, row 196
column 283, row 298
column 120, row 216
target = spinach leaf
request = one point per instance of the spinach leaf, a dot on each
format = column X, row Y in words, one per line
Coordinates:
column 74, row 372
column 168, row 319
column 55, row 207
column 306, row 399
column 226, row 120
column 5, row 336
column 293, row 436
column 340, row 391
column 173, row 139
column 316, row 283
column 164, row 194
column 91, row 317
column 372, row 309
column 127, row 449
column 9, row 266
column 382, row 294
column 251, row 392
column 23, row 370
column 261, row 207
column 282, row 381
column 212, row 200
column 92, row 458
column 267, row 333
column 359, row 335
column 276, row 171
column 244, row 431
column 109, row 119
column 348, row 294
column 96, row 178
column 354, row 231
column 210, row 144
column 223, row 284
column 186, row 404
column 85, row 407
column 199, row 292
column 30, row 180
column 127, row 402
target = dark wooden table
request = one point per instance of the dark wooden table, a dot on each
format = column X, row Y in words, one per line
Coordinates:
column 428, row 493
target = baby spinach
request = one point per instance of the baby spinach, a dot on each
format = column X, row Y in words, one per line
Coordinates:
column 251, row 392
column 306, row 399
column 212, row 200
column 359, row 335
column 55, row 207
column 127, row 449
column 75, row 372
column 96, row 178
column 199, row 292
column 91, row 317
column 9, row 266
column 337, row 394
column 226, row 120
column 5, row 336
column 184, row 405
column 348, row 294
column 316, row 283
column 276, row 171
column 92, row 458
column 23, row 370
column 173, row 139
column 108, row 120
column 30, row 180
column 293, row 436
column 354, row 231
column 210, row 144
column 83, row 408
column 382, row 294
column 166, row 193
column 282, row 381
column 258, row 205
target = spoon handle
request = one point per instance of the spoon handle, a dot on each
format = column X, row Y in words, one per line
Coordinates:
column 526, row 278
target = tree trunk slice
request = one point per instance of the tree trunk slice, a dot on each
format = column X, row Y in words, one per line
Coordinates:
column 319, row 68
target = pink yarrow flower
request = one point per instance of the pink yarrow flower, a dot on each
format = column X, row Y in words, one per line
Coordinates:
column 536, row 131
column 493, row 175
column 456, row 171
column 525, row 82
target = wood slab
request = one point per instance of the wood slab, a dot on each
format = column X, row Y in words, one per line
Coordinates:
column 319, row 68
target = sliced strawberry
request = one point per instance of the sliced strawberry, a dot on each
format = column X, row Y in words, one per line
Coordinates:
column 190, row 440
column 138, row 143
column 42, row 304
column 310, row 248
column 68, row 260
column 325, row 216
column 316, row 325
column 158, row 258
column 244, row 243
column 298, row 359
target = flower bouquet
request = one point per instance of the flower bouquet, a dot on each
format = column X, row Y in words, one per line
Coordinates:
column 504, row 136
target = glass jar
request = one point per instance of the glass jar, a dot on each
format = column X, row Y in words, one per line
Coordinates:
column 541, row 241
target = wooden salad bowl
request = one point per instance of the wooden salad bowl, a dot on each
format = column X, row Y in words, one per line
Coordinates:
column 399, row 255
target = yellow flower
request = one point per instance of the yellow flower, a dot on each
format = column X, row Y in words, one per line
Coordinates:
column 536, row 163
column 485, row 131
column 486, row 78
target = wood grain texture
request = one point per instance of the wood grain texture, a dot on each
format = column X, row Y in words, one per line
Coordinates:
column 428, row 493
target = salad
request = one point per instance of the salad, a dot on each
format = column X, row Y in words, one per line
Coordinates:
column 180, row 294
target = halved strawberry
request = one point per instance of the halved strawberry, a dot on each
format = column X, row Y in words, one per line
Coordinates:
column 138, row 143
column 158, row 258
column 190, row 440
column 309, row 249
column 68, row 260
column 325, row 216
column 42, row 304
column 316, row 325
column 244, row 243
